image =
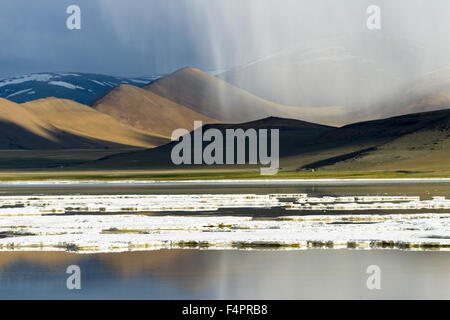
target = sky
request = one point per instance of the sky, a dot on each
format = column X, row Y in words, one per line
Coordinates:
column 146, row 37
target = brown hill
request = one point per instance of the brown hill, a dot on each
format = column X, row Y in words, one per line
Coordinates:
column 147, row 111
column 22, row 129
column 83, row 121
column 220, row 100
column 294, row 136
column 404, row 143
column 423, row 147
column 401, row 135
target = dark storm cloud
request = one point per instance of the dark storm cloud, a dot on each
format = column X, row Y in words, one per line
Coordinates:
column 141, row 37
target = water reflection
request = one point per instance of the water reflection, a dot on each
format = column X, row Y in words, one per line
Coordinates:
column 233, row 274
column 196, row 274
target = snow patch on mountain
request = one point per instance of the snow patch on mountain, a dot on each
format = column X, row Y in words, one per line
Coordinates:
column 42, row 77
column 65, row 85
column 80, row 87
column 18, row 92
column 98, row 82
column 139, row 81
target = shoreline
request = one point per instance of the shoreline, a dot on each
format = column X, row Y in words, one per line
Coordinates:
column 219, row 182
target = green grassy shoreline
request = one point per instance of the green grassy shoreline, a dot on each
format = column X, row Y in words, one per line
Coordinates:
column 215, row 175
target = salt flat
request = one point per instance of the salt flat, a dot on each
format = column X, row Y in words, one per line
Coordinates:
column 106, row 223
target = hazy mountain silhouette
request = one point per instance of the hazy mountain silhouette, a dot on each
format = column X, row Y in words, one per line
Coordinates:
column 220, row 100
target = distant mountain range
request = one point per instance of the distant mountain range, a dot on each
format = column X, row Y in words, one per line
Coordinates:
column 336, row 81
column 79, row 87
column 127, row 115
column 85, row 111
column 190, row 94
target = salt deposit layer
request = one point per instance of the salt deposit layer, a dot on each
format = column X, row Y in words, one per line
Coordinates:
column 281, row 221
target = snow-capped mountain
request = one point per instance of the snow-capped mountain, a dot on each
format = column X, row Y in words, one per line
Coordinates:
column 80, row 87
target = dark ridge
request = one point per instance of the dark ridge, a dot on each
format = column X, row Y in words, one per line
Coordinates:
column 334, row 160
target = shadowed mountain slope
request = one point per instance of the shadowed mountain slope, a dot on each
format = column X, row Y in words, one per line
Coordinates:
column 304, row 146
column 63, row 124
column 22, row 129
column 423, row 147
column 293, row 134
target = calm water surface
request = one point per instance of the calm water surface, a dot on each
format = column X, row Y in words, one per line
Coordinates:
column 195, row 274
column 233, row 274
